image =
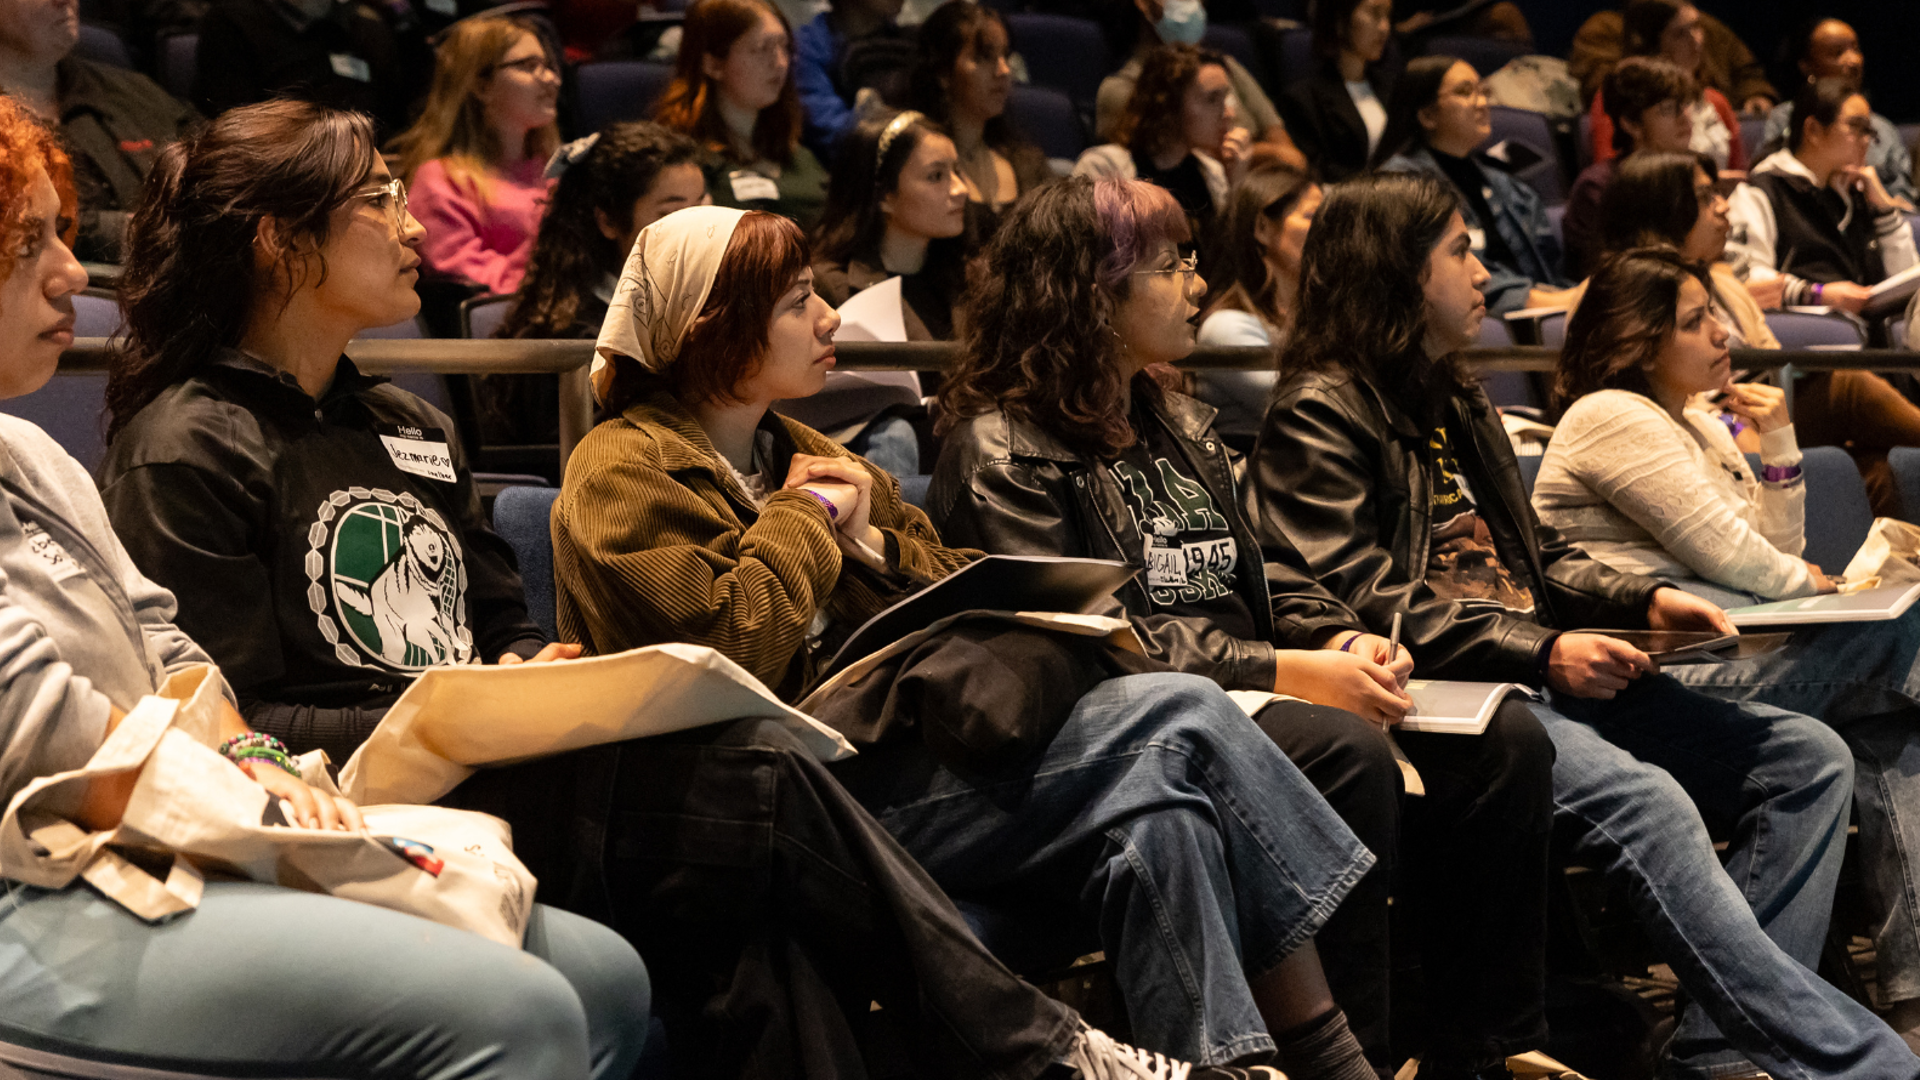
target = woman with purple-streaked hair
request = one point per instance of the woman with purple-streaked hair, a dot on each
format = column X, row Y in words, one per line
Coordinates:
column 1060, row 442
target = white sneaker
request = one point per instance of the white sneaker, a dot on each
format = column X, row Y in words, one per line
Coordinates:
column 1098, row 1056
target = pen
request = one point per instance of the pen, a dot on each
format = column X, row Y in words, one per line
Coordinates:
column 1393, row 640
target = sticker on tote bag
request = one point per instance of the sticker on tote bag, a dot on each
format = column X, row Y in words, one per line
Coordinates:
column 415, row 852
column 387, row 581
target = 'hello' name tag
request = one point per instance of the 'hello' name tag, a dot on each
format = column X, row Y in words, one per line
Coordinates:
column 352, row 67
column 750, row 186
column 417, row 450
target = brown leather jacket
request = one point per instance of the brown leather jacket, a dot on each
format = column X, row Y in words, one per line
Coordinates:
column 1341, row 475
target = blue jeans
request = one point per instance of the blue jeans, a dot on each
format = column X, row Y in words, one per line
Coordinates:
column 1648, row 779
column 261, row 979
column 1160, row 824
column 1863, row 680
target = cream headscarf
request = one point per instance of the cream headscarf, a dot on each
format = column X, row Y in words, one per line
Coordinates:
column 665, row 283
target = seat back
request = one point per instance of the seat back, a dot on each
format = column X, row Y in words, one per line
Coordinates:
column 1529, row 470
column 1235, row 41
column 1810, row 330
column 523, row 517
column 1049, row 119
column 1063, row 52
column 611, row 90
column 1905, row 461
column 1487, row 55
column 1838, row 514
column 71, row 409
column 1553, row 329
column 482, row 315
column 96, row 313
column 1295, row 57
column 178, row 55
column 1531, row 130
column 103, row 46
column 1753, row 132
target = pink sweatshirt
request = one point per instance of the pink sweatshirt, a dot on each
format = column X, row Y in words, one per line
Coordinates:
column 483, row 243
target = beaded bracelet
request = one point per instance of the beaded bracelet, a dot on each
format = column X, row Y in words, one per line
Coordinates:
column 257, row 745
column 833, row 512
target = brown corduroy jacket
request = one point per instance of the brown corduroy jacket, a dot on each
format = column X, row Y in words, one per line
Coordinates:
column 653, row 541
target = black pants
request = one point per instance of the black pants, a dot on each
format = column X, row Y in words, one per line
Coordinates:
column 1470, row 855
column 771, row 909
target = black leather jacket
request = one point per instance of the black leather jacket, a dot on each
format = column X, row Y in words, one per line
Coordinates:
column 1340, row 475
column 1011, row 488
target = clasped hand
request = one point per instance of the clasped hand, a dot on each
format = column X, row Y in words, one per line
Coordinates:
column 1367, row 679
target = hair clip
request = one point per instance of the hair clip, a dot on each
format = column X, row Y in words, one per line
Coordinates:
column 893, row 129
column 569, row 155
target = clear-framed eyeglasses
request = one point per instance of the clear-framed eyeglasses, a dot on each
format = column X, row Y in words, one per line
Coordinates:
column 1188, row 266
column 390, row 197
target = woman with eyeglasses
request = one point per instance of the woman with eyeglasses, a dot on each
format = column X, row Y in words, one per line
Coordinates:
column 475, row 159
column 1059, row 442
column 1437, row 122
column 1815, row 214
column 733, row 91
column 1675, row 31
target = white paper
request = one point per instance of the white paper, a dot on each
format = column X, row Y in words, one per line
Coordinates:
column 873, row 314
column 455, row 719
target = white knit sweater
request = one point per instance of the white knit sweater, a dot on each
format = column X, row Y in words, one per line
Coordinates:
column 1644, row 494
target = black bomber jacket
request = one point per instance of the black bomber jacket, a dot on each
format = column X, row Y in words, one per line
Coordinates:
column 1010, row 488
column 1340, row 475
column 316, row 571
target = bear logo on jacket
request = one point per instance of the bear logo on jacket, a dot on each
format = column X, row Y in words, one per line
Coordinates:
column 389, row 573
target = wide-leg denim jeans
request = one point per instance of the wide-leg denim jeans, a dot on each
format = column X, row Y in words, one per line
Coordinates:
column 1649, row 779
column 1160, row 820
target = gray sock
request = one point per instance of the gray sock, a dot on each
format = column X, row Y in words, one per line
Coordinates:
column 1322, row 1049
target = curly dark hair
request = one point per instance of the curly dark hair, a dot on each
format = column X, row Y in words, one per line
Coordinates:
column 191, row 279
column 1362, row 306
column 1631, row 308
column 1038, row 340
column 28, row 146
column 571, row 254
column 1152, row 120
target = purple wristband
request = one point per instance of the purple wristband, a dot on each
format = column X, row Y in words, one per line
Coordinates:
column 1818, row 288
column 1779, row 474
column 1347, row 646
column 833, row 512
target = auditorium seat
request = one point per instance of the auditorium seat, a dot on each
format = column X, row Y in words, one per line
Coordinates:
column 1236, row 42
column 1049, row 119
column 1531, row 130
column 96, row 313
column 103, row 46
column 178, row 55
column 482, row 315
column 1838, row 515
column 1816, row 330
column 1063, row 52
column 71, row 409
column 1295, row 57
column 1487, row 55
column 523, row 517
column 1905, row 461
column 611, row 90
column 1530, row 470
column 1753, row 130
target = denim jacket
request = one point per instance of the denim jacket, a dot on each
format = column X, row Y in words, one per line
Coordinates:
column 1518, row 217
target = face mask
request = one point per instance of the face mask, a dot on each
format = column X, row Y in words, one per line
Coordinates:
column 1182, row 22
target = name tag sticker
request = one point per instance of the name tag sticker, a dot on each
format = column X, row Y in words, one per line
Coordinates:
column 444, row 7
column 352, row 67
column 1477, row 239
column 1180, row 566
column 750, row 186
column 60, row 565
column 417, row 450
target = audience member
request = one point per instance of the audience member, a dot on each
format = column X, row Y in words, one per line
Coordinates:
column 608, row 187
column 852, row 30
column 1256, row 274
column 1826, row 48
column 1814, row 214
column 1670, row 199
column 1643, row 479
column 1646, row 99
column 1338, row 114
column 1726, row 64
column 354, row 989
column 1675, row 31
column 1384, row 466
column 474, row 161
column 733, row 91
column 1440, row 116
column 961, row 80
column 747, row 946
column 114, row 122
column 1184, row 22
column 1178, row 133
column 897, row 206
column 361, row 55
column 699, row 516
column 1060, row 443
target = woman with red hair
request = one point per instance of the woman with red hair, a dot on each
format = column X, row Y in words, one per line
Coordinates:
column 733, row 91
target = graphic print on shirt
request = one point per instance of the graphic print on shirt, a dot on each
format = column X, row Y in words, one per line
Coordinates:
column 1190, row 555
column 387, row 581
column 1462, row 562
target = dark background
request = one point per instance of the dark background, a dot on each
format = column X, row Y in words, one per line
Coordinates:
column 1889, row 36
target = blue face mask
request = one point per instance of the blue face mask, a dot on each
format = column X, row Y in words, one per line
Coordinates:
column 1182, row 22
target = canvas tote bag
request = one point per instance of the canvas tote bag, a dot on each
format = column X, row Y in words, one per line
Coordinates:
column 193, row 813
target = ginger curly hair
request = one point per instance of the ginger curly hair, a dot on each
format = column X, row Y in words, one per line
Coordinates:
column 28, row 146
